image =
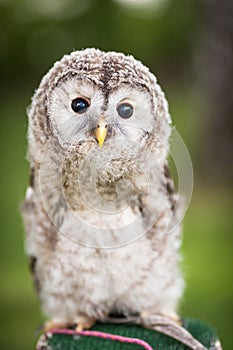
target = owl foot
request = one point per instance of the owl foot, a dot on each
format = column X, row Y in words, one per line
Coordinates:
column 52, row 325
column 84, row 323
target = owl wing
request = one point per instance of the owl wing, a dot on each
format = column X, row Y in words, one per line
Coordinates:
column 32, row 266
column 177, row 204
column 28, row 212
column 169, row 187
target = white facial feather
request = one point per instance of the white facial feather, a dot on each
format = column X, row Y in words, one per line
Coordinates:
column 72, row 127
column 69, row 126
column 142, row 119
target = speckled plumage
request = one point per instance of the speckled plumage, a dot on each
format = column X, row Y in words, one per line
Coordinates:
column 137, row 271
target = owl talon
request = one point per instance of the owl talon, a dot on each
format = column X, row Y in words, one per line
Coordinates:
column 51, row 325
column 81, row 325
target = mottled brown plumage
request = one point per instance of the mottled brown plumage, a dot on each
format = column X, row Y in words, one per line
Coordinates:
column 97, row 220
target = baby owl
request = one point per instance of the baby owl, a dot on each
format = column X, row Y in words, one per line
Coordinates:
column 100, row 211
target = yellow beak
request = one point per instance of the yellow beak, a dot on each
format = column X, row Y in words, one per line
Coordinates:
column 101, row 132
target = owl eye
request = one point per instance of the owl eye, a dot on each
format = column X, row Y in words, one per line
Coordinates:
column 125, row 110
column 79, row 105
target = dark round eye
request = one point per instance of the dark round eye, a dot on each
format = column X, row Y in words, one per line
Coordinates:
column 79, row 105
column 125, row 110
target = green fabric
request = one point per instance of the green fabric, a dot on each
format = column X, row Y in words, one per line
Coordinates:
column 204, row 333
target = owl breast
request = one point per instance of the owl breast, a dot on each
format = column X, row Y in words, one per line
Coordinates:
column 92, row 282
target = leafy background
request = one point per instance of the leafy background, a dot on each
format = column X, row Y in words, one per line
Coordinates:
column 187, row 45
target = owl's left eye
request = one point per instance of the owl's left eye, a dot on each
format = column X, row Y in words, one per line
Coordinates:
column 79, row 105
column 125, row 110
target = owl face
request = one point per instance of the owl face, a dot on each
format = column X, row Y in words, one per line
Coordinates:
column 81, row 110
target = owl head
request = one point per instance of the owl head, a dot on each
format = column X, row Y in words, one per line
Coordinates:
column 98, row 136
column 107, row 99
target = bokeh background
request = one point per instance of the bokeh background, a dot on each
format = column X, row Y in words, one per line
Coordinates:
column 188, row 45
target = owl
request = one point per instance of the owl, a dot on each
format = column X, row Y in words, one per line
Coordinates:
column 100, row 212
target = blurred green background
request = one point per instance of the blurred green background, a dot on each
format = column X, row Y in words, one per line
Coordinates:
column 188, row 45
